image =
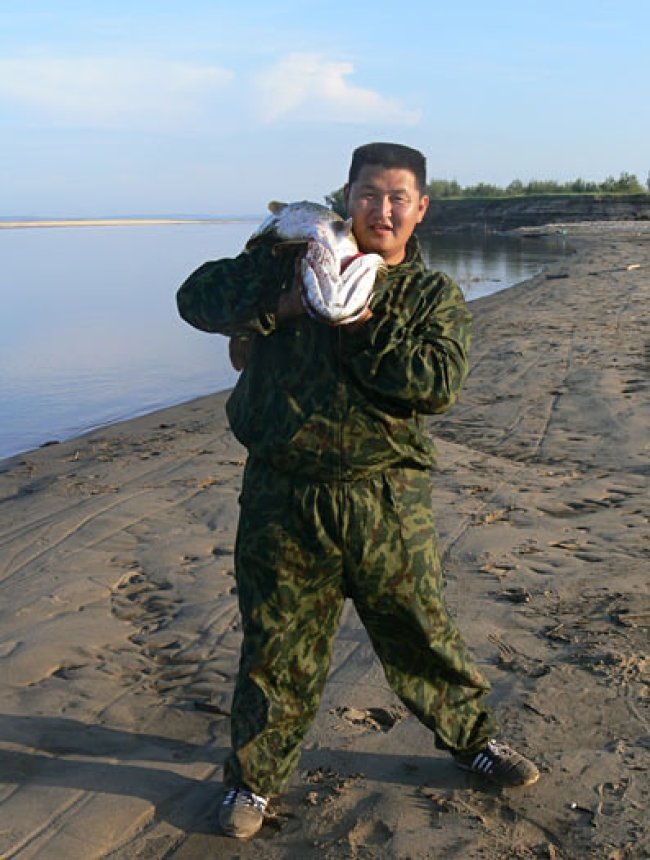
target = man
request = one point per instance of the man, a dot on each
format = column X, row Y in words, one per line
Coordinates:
column 336, row 494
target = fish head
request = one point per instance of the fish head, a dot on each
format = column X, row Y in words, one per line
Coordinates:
column 304, row 221
column 267, row 232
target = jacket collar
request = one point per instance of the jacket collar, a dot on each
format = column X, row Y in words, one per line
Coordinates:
column 412, row 259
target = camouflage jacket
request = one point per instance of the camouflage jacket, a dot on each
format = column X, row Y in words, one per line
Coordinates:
column 331, row 403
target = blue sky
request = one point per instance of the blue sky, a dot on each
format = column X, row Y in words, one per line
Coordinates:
column 188, row 107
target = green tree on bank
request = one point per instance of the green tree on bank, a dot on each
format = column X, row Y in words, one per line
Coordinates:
column 627, row 183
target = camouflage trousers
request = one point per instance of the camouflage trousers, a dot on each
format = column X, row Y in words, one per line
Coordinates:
column 302, row 548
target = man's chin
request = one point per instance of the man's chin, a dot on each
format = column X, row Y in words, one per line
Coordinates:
column 376, row 245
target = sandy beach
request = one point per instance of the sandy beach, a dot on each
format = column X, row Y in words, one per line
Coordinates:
column 25, row 224
column 120, row 636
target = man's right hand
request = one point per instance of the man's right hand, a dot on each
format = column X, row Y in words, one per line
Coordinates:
column 290, row 303
column 361, row 320
column 239, row 349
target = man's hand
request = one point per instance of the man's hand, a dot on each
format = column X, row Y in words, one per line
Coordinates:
column 326, row 294
column 291, row 304
column 239, row 349
column 366, row 314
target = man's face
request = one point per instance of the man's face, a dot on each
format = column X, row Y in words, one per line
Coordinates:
column 385, row 206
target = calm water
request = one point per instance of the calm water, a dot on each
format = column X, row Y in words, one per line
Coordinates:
column 89, row 332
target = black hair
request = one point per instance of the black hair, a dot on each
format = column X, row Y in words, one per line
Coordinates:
column 390, row 155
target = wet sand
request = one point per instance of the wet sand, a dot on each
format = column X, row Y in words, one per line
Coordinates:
column 120, row 635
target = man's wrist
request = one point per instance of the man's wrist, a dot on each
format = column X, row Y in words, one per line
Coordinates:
column 290, row 305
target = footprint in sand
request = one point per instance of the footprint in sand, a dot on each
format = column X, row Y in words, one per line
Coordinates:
column 377, row 719
column 181, row 665
column 512, row 660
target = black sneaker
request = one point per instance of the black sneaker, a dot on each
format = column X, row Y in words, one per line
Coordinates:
column 500, row 764
column 242, row 813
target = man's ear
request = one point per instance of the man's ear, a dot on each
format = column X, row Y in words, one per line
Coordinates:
column 423, row 206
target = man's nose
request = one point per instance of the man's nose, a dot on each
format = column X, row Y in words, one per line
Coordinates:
column 383, row 205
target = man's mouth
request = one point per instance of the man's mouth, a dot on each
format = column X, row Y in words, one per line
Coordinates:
column 381, row 228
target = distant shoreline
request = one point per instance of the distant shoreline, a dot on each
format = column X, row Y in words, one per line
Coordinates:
column 114, row 222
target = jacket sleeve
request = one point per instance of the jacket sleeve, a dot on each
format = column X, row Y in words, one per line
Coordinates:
column 236, row 296
column 417, row 364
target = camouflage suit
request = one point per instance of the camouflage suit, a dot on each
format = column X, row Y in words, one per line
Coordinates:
column 336, row 501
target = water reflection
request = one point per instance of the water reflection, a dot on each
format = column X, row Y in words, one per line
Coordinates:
column 485, row 263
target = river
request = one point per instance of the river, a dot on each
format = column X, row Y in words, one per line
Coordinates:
column 89, row 332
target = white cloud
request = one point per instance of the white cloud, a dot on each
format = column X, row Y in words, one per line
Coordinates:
column 310, row 87
column 110, row 92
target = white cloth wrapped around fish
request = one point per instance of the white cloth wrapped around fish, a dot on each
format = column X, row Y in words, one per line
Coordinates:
column 337, row 280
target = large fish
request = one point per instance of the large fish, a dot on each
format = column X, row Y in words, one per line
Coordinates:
column 337, row 279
